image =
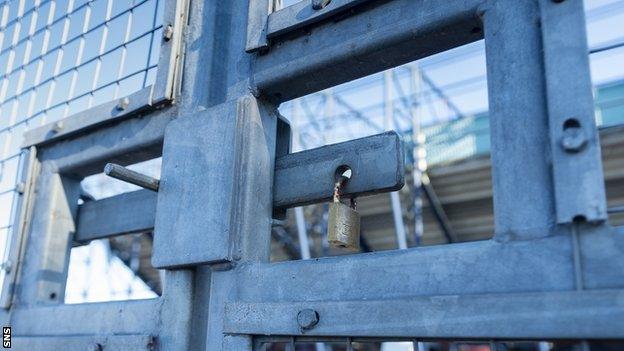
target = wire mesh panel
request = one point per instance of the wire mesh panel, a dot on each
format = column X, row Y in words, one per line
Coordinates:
column 61, row 57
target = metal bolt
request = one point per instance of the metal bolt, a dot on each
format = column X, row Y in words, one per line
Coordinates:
column 307, row 319
column 168, row 33
column 19, row 187
column 123, row 104
column 278, row 222
column 129, row 176
column 6, row 266
column 57, row 127
column 574, row 138
column 320, row 4
column 151, row 343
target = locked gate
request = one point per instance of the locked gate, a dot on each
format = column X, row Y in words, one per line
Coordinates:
column 553, row 270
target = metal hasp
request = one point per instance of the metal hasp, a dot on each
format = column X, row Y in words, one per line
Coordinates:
column 196, row 169
column 129, row 176
column 376, row 162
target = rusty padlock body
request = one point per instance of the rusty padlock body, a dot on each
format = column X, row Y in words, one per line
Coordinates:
column 343, row 226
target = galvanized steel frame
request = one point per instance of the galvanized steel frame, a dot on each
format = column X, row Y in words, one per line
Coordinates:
column 554, row 269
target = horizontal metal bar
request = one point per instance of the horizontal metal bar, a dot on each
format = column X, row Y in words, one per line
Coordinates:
column 82, row 343
column 484, row 267
column 492, row 290
column 131, row 212
column 544, row 316
column 377, row 38
column 615, row 209
column 302, row 14
column 107, row 318
column 88, row 119
column 125, row 142
column 129, row 176
column 376, row 162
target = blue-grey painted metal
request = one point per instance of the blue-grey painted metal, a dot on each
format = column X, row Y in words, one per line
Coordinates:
column 523, row 194
column 376, row 162
column 577, row 167
column 539, row 277
column 304, row 13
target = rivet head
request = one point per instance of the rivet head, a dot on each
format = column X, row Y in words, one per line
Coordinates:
column 168, row 33
column 123, row 104
column 307, row 319
column 57, row 127
column 6, row 266
column 19, row 187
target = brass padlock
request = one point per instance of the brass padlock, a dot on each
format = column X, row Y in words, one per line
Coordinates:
column 343, row 222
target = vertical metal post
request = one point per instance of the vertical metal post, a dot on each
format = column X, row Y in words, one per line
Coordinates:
column 397, row 213
column 44, row 274
column 418, row 152
column 302, row 234
column 521, row 166
column 575, row 149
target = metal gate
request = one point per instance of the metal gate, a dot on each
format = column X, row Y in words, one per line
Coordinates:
column 553, row 270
